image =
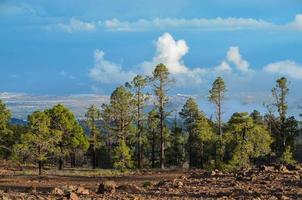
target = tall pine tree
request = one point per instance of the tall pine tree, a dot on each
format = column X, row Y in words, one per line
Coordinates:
column 161, row 83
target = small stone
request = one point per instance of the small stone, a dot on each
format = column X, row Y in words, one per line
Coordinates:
column 32, row 190
column 177, row 184
column 253, row 178
column 130, row 188
column 81, row 190
column 161, row 183
column 107, row 187
column 72, row 196
column 183, row 177
column 283, row 168
column 57, row 191
column 266, row 168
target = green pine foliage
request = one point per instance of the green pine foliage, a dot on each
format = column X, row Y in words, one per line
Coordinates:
column 200, row 134
column 40, row 143
column 153, row 138
column 122, row 156
column 161, row 82
column 127, row 134
column 92, row 116
column 287, row 157
column 175, row 154
column 245, row 141
column 72, row 134
column 6, row 134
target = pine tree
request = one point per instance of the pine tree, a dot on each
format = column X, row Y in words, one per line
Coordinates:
column 92, row 116
column 279, row 92
column 73, row 137
column 122, row 156
column 161, row 82
column 154, row 140
column 200, row 132
column 246, row 140
column 119, row 113
column 217, row 96
column 40, row 143
column 138, row 85
column 175, row 152
column 118, row 116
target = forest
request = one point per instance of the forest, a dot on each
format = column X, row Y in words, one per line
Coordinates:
column 124, row 135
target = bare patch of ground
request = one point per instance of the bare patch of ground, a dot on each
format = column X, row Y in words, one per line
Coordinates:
column 264, row 183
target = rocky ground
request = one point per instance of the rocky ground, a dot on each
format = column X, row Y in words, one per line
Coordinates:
column 267, row 182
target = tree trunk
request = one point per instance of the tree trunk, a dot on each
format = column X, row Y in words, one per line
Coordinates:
column 73, row 159
column 61, row 163
column 220, row 128
column 201, row 157
column 40, row 167
column 139, row 153
column 94, row 162
column 162, row 150
column 153, row 150
column 190, row 150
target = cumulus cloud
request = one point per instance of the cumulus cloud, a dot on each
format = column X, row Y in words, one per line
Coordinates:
column 105, row 71
column 74, row 25
column 169, row 52
column 287, row 68
column 223, row 67
column 234, row 56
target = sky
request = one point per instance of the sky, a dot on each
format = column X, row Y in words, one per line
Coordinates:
column 73, row 47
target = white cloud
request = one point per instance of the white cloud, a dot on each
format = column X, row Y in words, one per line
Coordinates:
column 287, row 68
column 197, row 24
column 297, row 23
column 234, row 56
column 170, row 53
column 223, row 67
column 74, row 25
column 218, row 23
column 105, row 71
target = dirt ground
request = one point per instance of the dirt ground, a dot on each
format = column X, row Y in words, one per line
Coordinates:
column 267, row 182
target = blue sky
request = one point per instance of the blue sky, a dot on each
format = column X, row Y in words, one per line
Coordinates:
column 82, row 47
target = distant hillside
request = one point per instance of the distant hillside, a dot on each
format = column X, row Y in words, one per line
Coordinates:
column 16, row 121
